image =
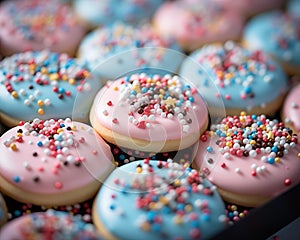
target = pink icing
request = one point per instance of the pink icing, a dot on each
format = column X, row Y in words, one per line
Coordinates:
column 250, row 175
column 22, row 159
column 195, row 23
column 251, row 7
column 111, row 111
column 38, row 25
column 291, row 108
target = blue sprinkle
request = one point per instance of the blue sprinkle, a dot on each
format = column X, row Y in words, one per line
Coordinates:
column 166, row 210
column 247, row 89
column 191, row 99
column 137, row 43
column 122, row 157
column 62, row 125
column 205, row 217
column 112, row 207
column 254, row 117
column 133, row 92
column 180, row 206
column 151, row 215
column 155, row 198
column 144, row 90
column 195, row 223
column 209, row 149
column 17, row 179
column 274, row 149
column 39, row 143
column 271, row 160
column 17, row 213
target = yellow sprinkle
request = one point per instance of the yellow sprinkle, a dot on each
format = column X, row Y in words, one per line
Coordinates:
column 44, row 70
column 163, row 200
column 229, row 75
column 149, row 80
column 139, row 170
column 40, row 111
column 86, row 73
column 233, row 208
column 14, row 94
column 60, row 130
column 152, row 205
column 188, row 208
column 298, row 155
column 177, row 220
column 252, row 142
column 53, row 76
column 177, row 182
column 229, row 144
column 145, row 226
column 116, row 88
column 186, row 165
column 277, row 159
column 243, row 113
column 270, row 135
column 19, row 134
column 74, row 128
column 72, row 81
column 241, row 215
column 211, row 133
column 64, row 77
column 13, row 147
column 40, row 103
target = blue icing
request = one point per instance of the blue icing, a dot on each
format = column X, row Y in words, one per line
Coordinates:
column 126, row 221
column 117, row 49
column 250, row 82
column 276, row 33
column 103, row 12
column 293, row 6
column 32, row 94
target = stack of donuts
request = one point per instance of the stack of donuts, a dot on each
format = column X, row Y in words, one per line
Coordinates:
column 145, row 119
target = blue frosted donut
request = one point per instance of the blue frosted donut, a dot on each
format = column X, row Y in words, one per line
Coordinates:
column 50, row 225
column 3, row 211
column 158, row 200
column 44, row 85
column 116, row 49
column 232, row 78
column 276, row 33
column 102, row 12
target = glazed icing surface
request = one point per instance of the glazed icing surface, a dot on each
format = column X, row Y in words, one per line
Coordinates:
column 291, row 108
column 293, row 7
column 159, row 200
column 3, row 213
column 141, row 48
column 194, row 23
column 49, row 156
column 240, row 78
column 38, row 25
column 150, row 107
column 45, row 85
column 276, row 33
column 50, row 225
column 250, row 155
column 103, row 12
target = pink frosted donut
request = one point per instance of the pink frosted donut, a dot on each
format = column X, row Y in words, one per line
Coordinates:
column 50, row 225
column 194, row 23
column 151, row 113
column 291, row 109
column 38, row 24
column 251, row 7
column 250, row 158
column 53, row 162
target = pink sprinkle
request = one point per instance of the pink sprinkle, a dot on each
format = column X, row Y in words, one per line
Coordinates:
column 243, row 96
column 115, row 121
column 227, row 97
column 40, row 169
column 95, row 152
column 58, row 185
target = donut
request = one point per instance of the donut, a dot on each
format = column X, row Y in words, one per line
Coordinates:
column 45, row 85
column 276, row 33
column 150, row 113
column 3, row 211
column 250, row 8
column 231, row 77
column 140, row 46
column 158, row 200
column 104, row 12
column 50, row 225
column 194, row 23
column 53, row 162
column 37, row 25
column 290, row 110
column 250, row 158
